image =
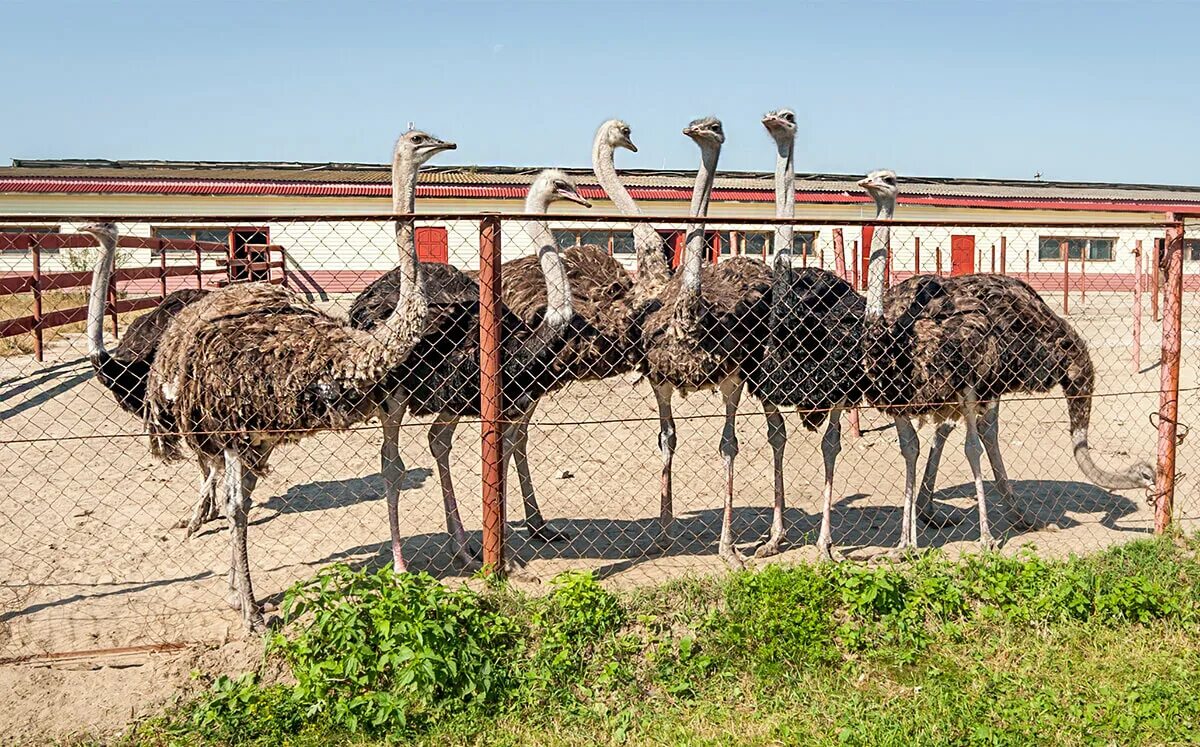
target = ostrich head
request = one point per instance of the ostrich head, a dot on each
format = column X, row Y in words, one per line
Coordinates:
column 550, row 186
column 102, row 230
column 881, row 185
column 615, row 133
column 419, row 147
column 705, row 131
column 781, row 123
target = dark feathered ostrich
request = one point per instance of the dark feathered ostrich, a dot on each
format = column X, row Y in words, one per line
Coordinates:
column 124, row 369
column 253, row 366
column 442, row 376
column 948, row 348
column 711, row 321
column 811, row 358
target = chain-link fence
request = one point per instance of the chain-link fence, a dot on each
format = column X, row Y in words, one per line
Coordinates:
column 104, row 545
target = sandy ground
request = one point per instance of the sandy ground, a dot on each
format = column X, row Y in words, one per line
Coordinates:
column 91, row 558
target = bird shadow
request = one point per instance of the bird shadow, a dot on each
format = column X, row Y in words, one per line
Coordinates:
column 42, row 397
column 326, row 494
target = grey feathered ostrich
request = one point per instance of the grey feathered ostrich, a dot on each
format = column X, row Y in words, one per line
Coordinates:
column 124, row 369
column 710, row 323
column 811, row 359
column 948, row 348
column 250, row 367
column 442, row 375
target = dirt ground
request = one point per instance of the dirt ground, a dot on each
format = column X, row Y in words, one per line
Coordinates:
column 92, row 559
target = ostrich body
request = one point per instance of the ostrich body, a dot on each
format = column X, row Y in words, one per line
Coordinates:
column 124, row 370
column 249, row 367
column 811, row 359
column 710, row 323
column 941, row 349
column 441, row 377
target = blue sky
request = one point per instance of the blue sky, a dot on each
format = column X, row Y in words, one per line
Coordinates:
column 1089, row 91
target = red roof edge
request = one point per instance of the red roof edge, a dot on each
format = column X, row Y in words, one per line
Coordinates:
column 80, row 185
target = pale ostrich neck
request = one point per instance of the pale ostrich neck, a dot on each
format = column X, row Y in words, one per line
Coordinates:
column 693, row 257
column 785, row 195
column 877, row 262
column 412, row 308
column 559, row 308
column 652, row 266
column 101, row 275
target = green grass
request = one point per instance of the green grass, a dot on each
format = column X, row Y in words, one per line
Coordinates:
column 989, row 651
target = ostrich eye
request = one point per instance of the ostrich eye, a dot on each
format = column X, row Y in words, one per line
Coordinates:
column 418, row 139
column 789, row 117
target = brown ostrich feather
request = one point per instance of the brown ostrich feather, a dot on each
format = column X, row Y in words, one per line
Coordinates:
column 731, row 323
column 252, row 366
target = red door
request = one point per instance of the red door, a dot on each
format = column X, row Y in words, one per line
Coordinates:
column 433, row 244
column 962, row 255
column 677, row 241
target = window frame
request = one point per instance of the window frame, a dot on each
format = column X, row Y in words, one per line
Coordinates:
column 1089, row 239
column 810, row 249
column 45, row 228
column 1188, row 245
column 154, row 233
column 577, row 233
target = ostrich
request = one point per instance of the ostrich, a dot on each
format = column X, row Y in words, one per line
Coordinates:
column 811, row 357
column 948, row 348
column 441, row 377
column 709, row 324
column 653, row 269
column 250, row 367
column 124, row 369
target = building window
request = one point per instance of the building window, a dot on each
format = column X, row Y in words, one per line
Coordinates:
column 614, row 242
column 762, row 243
column 1191, row 249
column 217, row 235
column 6, row 248
column 1098, row 249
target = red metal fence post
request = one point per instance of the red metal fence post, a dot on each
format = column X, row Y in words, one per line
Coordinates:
column 199, row 267
column 854, row 266
column 1027, row 274
column 1003, row 255
column 1155, row 269
column 916, row 255
column 839, row 254
column 490, row 394
column 993, row 265
column 38, row 341
column 1168, row 397
column 1083, row 273
column 1137, row 306
column 112, row 299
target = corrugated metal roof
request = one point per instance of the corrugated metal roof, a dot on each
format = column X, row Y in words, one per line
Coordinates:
column 369, row 180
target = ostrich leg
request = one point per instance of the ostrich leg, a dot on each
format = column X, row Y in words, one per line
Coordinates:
column 441, row 441
column 666, row 443
column 989, row 432
column 392, row 468
column 973, row 448
column 731, row 393
column 910, row 448
column 777, row 437
column 534, row 522
column 207, row 506
column 930, row 513
column 239, row 485
column 831, row 446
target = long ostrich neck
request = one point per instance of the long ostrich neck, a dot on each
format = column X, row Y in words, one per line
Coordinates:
column 785, row 196
column 652, row 266
column 693, row 257
column 407, row 322
column 101, row 275
column 559, row 308
column 877, row 263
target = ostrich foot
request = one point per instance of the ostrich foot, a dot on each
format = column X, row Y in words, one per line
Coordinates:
column 543, row 533
column 253, row 620
column 940, row 516
column 469, row 558
column 732, row 558
column 827, row 552
column 663, row 540
column 234, row 600
column 769, row 548
column 1021, row 522
column 988, row 543
column 902, row 553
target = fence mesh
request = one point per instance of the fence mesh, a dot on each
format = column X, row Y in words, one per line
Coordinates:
column 94, row 545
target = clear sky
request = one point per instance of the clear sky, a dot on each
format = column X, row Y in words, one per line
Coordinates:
column 1087, row 91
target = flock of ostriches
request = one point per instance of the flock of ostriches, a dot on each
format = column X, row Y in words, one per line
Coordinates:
column 226, row 376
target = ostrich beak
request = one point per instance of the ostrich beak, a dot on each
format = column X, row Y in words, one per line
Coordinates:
column 575, row 197
column 866, row 182
column 629, row 144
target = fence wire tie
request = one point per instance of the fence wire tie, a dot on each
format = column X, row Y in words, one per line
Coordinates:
column 1153, row 495
column 1181, row 428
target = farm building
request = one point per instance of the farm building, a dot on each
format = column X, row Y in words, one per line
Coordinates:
column 331, row 256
